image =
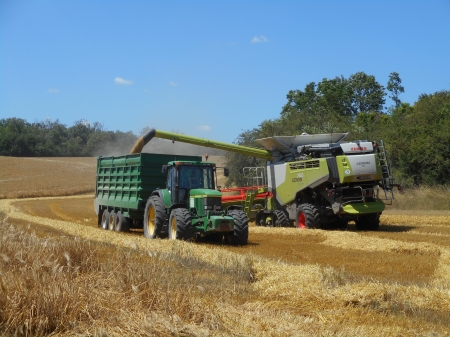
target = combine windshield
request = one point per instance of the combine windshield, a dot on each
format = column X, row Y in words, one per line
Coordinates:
column 196, row 177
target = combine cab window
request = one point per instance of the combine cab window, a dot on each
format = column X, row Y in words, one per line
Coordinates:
column 196, row 177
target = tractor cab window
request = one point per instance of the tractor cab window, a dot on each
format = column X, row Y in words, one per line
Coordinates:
column 196, row 177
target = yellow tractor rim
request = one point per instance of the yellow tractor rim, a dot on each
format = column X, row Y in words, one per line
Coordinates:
column 151, row 220
column 173, row 228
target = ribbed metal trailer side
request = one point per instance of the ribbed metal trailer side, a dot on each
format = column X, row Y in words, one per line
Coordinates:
column 125, row 183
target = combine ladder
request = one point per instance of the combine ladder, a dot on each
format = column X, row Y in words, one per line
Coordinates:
column 249, row 198
column 387, row 179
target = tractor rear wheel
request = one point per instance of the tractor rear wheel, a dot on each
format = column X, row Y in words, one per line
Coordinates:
column 307, row 216
column 180, row 224
column 240, row 234
column 122, row 224
column 105, row 219
column 369, row 222
column 282, row 219
column 153, row 217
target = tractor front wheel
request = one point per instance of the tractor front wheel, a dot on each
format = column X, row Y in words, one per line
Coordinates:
column 240, row 234
column 180, row 224
column 307, row 216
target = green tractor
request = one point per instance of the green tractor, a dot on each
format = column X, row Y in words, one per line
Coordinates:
column 190, row 205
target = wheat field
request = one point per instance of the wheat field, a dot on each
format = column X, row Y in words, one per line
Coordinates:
column 62, row 275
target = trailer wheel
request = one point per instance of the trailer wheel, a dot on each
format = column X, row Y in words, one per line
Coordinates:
column 105, row 219
column 307, row 216
column 240, row 234
column 153, row 217
column 122, row 224
column 282, row 219
column 180, row 224
column 370, row 222
column 112, row 221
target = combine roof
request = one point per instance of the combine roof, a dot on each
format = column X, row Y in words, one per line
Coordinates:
column 283, row 143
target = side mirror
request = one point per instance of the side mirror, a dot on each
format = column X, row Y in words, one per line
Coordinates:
column 164, row 169
column 226, row 172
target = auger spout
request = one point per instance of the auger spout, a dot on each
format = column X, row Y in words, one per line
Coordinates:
column 175, row 137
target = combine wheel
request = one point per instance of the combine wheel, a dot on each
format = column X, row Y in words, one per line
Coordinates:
column 105, row 219
column 153, row 217
column 112, row 221
column 307, row 216
column 282, row 219
column 122, row 224
column 180, row 224
column 370, row 222
column 240, row 235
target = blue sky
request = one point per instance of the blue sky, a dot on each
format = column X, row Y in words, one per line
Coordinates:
column 209, row 69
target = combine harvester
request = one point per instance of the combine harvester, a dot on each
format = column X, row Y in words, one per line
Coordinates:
column 313, row 181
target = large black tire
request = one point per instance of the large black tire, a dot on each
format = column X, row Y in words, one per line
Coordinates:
column 122, row 224
column 369, row 222
column 240, row 234
column 105, row 219
column 154, row 216
column 180, row 224
column 112, row 221
column 307, row 216
column 282, row 219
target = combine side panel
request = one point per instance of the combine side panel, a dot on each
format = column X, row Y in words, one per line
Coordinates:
column 287, row 179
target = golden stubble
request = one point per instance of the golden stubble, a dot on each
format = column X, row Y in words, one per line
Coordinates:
column 301, row 297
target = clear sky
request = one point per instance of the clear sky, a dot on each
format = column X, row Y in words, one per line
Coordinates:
column 209, row 69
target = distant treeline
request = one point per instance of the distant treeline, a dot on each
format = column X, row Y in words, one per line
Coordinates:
column 53, row 139
column 19, row 138
column 417, row 136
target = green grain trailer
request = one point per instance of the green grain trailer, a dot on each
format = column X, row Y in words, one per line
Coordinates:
column 166, row 195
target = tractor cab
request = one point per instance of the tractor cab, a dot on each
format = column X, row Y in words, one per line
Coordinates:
column 188, row 179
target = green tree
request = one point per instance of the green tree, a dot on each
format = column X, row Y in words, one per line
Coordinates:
column 368, row 94
column 419, row 140
column 395, row 88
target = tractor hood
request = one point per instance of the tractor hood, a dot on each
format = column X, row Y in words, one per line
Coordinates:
column 203, row 192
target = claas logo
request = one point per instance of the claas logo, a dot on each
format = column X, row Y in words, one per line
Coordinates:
column 363, row 148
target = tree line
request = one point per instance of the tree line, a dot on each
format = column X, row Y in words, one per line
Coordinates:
column 53, row 139
column 416, row 136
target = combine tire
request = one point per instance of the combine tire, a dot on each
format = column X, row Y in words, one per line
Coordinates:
column 105, row 219
column 307, row 216
column 180, row 224
column 240, row 234
column 282, row 219
column 153, row 217
column 122, row 224
column 369, row 222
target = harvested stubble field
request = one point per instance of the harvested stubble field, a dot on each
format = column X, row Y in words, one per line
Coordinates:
column 60, row 274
